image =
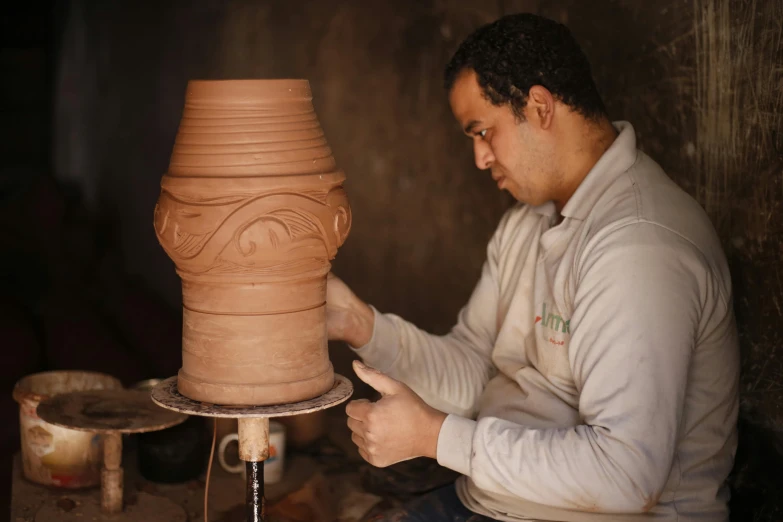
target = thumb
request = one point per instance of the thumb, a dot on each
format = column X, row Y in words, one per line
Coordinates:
column 377, row 379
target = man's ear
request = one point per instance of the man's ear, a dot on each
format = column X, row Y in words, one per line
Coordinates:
column 540, row 106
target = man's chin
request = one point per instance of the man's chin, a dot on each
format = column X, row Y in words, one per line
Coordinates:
column 514, row 194
column 533, row 202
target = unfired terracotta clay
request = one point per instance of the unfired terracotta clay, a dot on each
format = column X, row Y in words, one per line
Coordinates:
column 251, row 211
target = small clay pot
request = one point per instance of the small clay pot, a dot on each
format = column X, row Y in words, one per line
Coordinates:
column 252, row 211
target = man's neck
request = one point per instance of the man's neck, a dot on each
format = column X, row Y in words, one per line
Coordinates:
column 587, row 143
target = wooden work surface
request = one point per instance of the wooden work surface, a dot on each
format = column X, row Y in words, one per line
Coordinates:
column 225, row 491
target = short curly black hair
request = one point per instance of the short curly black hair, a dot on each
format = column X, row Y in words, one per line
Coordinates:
column 518, row 51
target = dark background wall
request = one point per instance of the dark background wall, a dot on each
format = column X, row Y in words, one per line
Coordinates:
column 92, row 95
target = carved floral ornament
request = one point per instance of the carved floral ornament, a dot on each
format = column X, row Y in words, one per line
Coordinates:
column 251, row 233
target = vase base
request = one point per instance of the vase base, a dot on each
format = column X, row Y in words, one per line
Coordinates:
column 264, row 394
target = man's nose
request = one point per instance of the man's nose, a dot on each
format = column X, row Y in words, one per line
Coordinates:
column 483, row 154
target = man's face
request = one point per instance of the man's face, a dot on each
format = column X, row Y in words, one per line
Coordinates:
column 519, row 154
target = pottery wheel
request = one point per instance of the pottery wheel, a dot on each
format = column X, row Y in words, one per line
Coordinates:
column 123, row 411
column 166, row 395
column 253, row 429
column 110, row 413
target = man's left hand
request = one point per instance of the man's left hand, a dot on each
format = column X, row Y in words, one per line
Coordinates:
column 400, row 426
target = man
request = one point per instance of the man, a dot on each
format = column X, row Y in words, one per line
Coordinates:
column 593, row 375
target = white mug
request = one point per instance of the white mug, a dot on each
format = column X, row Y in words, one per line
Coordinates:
column 273, row 466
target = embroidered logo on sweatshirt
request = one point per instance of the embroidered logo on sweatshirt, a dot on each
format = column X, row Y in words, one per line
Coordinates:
column 553, row 322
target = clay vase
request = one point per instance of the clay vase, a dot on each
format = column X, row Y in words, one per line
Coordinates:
column 252, row 211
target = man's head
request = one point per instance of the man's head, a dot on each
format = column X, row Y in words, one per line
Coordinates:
column 521, row 87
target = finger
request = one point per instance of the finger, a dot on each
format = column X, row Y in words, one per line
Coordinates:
column 365, row 455
column 377, row 379
column 359, row 441
column 358, row 409
column 357, row 427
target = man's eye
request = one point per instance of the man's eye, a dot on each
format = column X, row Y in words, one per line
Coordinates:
column 483, row 133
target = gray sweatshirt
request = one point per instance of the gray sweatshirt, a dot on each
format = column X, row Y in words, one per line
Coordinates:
column 593, row 375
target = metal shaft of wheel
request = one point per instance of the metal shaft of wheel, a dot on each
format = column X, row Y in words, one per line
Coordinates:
column 254, row 497
column 254, row 450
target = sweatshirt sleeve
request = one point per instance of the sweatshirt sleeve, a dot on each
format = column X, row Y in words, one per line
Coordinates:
column 448, row 372
column 635, row 322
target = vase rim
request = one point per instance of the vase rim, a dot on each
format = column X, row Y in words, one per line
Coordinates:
column 248, row 89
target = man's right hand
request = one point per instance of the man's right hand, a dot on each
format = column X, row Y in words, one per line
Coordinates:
column 348, row 318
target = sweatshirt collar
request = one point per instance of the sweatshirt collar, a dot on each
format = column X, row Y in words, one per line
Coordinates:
column 617, row 159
